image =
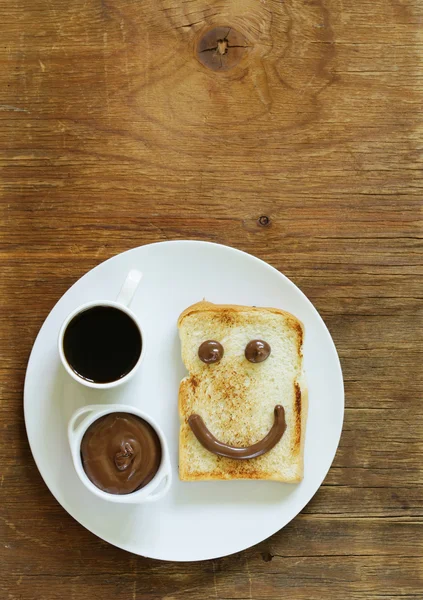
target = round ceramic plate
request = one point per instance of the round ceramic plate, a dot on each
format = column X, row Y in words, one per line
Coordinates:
column 196, row 520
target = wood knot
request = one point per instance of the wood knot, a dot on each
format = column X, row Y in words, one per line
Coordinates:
column 267, row 556
column 264, row 221
column 221, row 48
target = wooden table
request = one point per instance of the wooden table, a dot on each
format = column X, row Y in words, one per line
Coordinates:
column 125, row 122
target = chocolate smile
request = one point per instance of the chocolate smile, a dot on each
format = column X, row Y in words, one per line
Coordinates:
column 212, row 444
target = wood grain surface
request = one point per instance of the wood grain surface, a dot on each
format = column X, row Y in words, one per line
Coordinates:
column 301, row 146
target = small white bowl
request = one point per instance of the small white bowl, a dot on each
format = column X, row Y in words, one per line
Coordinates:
column 78, row 425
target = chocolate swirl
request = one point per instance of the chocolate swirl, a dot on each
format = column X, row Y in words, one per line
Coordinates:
column 120, row 453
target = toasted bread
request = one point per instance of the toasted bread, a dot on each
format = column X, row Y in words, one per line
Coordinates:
column 236, row 398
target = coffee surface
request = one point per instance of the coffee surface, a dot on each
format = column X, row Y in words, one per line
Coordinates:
column 102, row 344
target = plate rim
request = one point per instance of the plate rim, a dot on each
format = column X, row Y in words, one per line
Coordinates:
column 258, row 539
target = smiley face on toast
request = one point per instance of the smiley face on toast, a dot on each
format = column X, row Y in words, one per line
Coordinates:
column 256, row 351
column 243, row 405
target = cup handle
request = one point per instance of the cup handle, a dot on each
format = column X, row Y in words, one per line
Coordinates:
column 129, row 287
column 167, row 479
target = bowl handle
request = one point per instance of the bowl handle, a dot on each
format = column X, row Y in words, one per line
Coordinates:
column 162, row 489
column 78, row 419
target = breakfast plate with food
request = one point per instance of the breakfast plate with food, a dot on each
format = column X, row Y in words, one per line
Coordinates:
column 183, row 400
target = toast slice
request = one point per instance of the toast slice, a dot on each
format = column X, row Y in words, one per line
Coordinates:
column 236, row 398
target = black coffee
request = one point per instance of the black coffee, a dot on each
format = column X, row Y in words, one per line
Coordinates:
column 102, row 344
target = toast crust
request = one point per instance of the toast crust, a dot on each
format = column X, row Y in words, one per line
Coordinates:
column 224, row 468
column 204, row 306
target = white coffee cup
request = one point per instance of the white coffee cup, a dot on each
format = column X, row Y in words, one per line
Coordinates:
column 78, row 425
column 122, row 303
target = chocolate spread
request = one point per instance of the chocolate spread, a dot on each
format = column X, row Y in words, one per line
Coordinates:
column 209, row 442
column 210, row 351
column 120, row 453
column 257, row 351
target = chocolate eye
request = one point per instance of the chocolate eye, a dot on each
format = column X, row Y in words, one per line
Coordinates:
column 210, row 351
column 257, row 351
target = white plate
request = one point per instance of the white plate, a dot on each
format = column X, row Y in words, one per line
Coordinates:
column 198, row 520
